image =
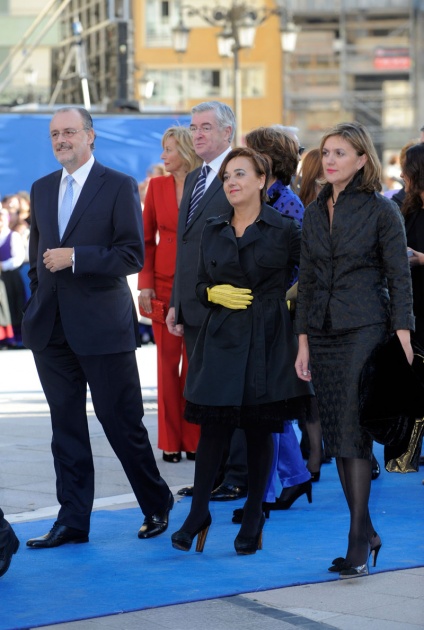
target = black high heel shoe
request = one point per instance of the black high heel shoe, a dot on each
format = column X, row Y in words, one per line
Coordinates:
column 290, row 495
column 171, row 458
column 238, row 513
column 248, row 545
column 183, row 540
column 340, row 564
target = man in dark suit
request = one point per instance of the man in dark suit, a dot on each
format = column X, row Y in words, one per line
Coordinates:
column 212, row 127
column 81, row 324
column 9, row 544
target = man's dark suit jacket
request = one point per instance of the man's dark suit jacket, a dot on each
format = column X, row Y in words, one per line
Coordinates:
column 95, row 303
column 212, row 204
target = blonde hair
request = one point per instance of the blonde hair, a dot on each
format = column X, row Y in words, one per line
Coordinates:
column 184, row 146
column 359, row 138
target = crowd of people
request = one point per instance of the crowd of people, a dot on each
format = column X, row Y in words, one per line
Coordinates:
column 15, row 220
column 227, row 233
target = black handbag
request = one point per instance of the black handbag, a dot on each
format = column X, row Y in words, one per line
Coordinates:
column 391, row 403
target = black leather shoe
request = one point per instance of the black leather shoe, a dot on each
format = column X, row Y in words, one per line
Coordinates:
column 228, row 493
column 187, row 491
column 157, row 523
column 58, row 535
column 7, row 552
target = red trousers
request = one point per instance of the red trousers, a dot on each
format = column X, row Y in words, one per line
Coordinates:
column 174, row 433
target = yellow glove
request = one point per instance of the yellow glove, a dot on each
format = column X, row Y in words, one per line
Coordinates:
column 230, row 296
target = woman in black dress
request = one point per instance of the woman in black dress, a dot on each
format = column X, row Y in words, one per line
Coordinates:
column 241, row 373
column 354, row 288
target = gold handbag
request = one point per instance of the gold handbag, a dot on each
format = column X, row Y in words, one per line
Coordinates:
column 409, row 461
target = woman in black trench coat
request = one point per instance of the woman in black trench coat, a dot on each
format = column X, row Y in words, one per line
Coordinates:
column 242, row 372
column 354, row 288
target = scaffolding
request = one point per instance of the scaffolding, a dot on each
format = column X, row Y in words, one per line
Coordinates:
column 357, row 59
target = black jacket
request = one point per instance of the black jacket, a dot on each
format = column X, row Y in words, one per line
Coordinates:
column 359, row 271
column 247, row 356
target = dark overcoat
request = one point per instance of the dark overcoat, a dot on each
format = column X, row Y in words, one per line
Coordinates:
column 358, row 271
column 247, row 356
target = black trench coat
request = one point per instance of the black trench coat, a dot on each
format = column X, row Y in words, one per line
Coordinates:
column 246, row 357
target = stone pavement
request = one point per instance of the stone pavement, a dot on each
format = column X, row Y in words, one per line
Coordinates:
column 386, row 601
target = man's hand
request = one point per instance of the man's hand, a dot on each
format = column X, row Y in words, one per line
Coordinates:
column 58, row 259
column 173, row 328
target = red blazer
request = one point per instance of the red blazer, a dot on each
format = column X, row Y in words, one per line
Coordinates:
column 160, row 218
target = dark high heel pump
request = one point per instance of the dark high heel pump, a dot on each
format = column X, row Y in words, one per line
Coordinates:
column 171, row 458
column 290, row 495
column 340, row 564
column 183, row 540
column 248, row 545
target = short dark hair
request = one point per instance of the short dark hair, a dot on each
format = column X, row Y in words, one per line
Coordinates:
column 261, row 164
column 282, row 149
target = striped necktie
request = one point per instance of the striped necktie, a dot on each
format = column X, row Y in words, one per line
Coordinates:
column 66, row 206
column 198, row 192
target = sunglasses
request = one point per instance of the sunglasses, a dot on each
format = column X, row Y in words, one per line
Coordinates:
column 301, row 150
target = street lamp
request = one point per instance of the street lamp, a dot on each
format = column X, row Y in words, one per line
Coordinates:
column 239, row 23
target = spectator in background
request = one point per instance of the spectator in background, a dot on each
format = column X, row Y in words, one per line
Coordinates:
column 413, row 211
column 154, row 170
column 308, row 180
column 12, row 255
column 160, row 217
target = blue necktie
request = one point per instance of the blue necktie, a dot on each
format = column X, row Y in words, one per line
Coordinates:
column 66, row 206
column 198, row 192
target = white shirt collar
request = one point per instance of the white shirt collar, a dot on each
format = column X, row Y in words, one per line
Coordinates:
column 81, row 174
column 215, row 164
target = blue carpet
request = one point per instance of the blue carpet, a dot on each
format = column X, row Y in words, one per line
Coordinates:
column 116, row 572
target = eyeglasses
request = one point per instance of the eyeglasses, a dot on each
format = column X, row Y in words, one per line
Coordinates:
column 67, row 133
column 203, row 129
column 301, row 150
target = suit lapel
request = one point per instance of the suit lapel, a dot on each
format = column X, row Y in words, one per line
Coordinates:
column 205, row 200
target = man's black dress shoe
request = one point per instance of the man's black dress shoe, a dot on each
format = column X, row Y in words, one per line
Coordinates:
column 7, row 552
column 187, row 491
column 228, row 493
column 58, row 535
column 157, row 523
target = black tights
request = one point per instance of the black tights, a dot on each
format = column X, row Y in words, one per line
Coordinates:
column 213, row 440
column 355, row 477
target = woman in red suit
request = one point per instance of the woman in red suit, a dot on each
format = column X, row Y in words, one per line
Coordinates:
column 160, row 216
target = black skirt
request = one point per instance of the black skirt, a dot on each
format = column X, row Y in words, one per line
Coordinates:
column 269, row 416
column 337, row 358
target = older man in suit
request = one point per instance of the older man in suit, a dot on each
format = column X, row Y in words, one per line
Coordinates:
column 212, row 127
column 81, row 324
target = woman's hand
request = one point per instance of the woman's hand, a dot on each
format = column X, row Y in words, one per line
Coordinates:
column 416, row 258
column 302, row 362
column 144, row 299
column 405, row 340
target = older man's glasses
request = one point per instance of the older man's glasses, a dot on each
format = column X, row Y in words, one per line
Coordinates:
column 206, row 128
column 66, row 133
